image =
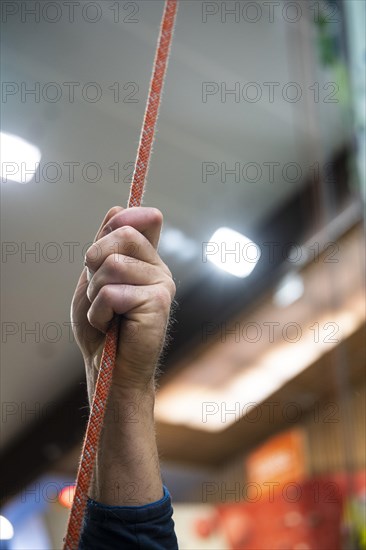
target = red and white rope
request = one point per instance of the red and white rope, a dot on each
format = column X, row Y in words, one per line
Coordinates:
column 104, row 380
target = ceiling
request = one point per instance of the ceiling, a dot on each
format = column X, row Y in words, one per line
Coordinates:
column 61, row 217
column 238, row 366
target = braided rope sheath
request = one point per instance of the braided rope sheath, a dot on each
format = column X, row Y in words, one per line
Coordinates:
column 104, row 380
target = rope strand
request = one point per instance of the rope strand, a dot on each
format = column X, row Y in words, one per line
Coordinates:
column 104, row 380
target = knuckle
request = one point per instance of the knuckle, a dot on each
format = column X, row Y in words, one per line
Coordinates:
column 92, row 254
column 126, row 232
column 112, row 264
column 162, row 298
column 126, row 241
column 105, row 295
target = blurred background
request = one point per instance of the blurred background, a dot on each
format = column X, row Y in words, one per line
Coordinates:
column 260, row 413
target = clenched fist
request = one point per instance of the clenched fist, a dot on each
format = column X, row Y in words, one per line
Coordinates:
column 125, row 276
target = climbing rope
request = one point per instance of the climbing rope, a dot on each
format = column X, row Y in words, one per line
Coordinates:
column 104, row 380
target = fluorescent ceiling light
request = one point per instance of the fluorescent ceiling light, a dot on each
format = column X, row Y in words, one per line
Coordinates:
column 231, row 251
column 6, row 529
column 290, row 289
column 19, row 159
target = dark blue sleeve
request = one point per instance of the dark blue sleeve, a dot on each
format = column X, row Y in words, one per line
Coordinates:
column 148, row 527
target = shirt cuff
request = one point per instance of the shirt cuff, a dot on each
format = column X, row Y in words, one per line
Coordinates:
column 146, row 527
column 93, row 505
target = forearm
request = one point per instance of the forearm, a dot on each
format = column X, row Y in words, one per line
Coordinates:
column 128, row 507
column 127, row 471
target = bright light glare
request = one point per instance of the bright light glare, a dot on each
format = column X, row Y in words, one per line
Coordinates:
column 6, row 529
column 232, row 252
column 174, row 242
column 19, row 159
column 289, row 290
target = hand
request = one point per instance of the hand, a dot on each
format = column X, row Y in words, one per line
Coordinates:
column 128, row 278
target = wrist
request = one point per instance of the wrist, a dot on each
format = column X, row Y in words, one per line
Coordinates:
column 127, row 468
column 121, row 388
